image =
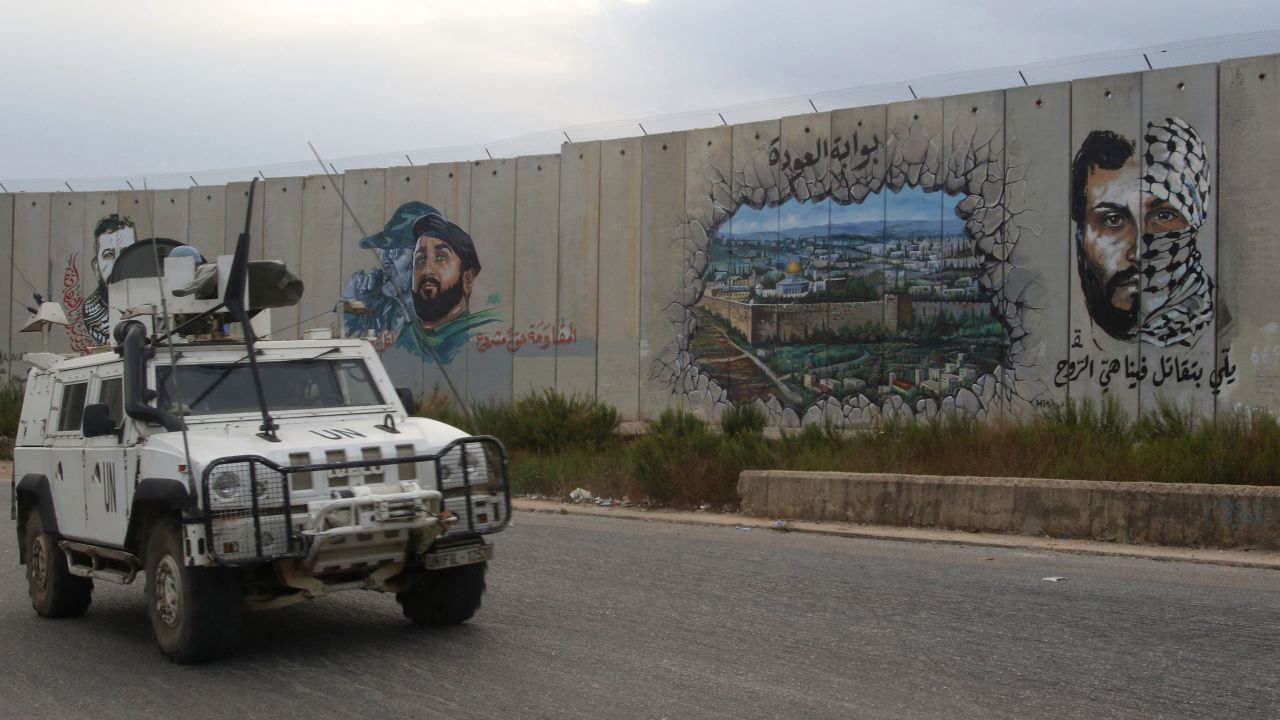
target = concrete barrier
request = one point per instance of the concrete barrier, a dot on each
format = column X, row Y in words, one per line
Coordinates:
column 1225, row 516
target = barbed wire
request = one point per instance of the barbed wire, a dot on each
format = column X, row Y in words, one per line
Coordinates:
column 1189, row 52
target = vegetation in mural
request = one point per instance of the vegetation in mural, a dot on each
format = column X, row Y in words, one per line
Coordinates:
column 419, row 296
column 870, row 299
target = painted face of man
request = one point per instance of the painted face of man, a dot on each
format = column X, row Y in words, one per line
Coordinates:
column 1116, row 210
column 1110, row 235
column 441, row 288
column 108, row 247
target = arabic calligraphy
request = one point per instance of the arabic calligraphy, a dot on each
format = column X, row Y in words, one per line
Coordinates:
column 1108, row 370
column 541, row 335
column 837, row 149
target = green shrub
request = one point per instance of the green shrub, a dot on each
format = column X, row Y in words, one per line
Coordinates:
column 440, row 405
column 11, row 391
column 605, row 471
column 745, row 419
column 547, row 421
column 678, row 460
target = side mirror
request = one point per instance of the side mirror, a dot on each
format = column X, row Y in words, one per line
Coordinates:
column 407, row 399
column 97, row 421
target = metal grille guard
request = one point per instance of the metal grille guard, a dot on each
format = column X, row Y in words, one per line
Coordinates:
column 263, row 514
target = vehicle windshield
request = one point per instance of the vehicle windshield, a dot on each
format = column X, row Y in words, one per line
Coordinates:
column 288, row 385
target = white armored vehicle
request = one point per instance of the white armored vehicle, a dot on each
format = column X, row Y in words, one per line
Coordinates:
column 240, row 474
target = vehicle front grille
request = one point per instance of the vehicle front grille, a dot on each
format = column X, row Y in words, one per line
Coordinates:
column 249, row 517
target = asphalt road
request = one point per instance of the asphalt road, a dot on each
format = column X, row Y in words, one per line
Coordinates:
column 608, row 618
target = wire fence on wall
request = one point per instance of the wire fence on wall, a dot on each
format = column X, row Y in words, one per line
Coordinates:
column 1190, row 52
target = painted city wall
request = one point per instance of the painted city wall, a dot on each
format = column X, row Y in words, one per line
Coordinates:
column 989, row 254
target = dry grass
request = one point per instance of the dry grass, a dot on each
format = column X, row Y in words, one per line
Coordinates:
column 682, row 462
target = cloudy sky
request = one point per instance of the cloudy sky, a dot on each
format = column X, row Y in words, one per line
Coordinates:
column 170, row 86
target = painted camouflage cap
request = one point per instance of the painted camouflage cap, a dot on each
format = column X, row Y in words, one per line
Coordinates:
column 398, row 232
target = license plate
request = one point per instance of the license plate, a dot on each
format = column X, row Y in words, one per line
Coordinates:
column 459, row 556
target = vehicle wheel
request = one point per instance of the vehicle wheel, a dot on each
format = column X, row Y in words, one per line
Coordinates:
column 194, row 611
column 55, row 592
column 444, row 597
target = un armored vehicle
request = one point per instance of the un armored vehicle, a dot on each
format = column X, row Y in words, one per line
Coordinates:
column 231, row 473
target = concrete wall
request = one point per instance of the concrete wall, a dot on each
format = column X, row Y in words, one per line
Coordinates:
column 1085, row 271
column 1145, row 513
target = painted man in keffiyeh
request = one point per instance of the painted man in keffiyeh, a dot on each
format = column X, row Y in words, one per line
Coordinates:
column 1136, row 218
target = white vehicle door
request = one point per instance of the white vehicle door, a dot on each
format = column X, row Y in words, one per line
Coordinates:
column 109, row 490
column 66, row 443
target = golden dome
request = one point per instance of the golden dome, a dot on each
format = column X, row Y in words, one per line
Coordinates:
column 793, row 267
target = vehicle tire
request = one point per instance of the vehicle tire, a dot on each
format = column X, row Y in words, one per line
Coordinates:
column 194, row 611
column 444, row 597
column 55, row 592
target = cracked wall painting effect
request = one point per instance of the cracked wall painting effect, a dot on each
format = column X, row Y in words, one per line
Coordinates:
column 856, row 281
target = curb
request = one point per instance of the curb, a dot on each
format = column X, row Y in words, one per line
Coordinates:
column 1257, row 559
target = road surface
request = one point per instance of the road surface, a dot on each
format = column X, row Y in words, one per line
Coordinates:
column 607, row 618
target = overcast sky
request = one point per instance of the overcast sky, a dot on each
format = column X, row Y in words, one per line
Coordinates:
column 165, row 86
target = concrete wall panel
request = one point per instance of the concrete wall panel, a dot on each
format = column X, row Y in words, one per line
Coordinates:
column 236, row 204
column 537, row 241
column 973, row 173
column 858, row 200
column 1248, row 254
column 171, row 212
column 282, row 240
column 708, row 204
column 1102, row 365
column 321, row 264
column 1039, row 280
column 31, row 272
column 915, row 204
column 8, row 290
column 578, row 269
column 756, row 189
column 662, row 261
column 1179, row 335
column 66, row 242
column 449, row 191
column 404, row 184
column 207, row 220
column 806, row 207
column 133, row 204
column 493, row 220
column 618, row 362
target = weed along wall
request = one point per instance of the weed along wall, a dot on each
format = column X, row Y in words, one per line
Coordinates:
column 983, row 254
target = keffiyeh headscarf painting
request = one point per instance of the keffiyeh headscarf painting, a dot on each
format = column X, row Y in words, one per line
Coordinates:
column 1177, row 293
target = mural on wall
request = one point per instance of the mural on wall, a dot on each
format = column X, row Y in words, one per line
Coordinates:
column 867, row 291
column 1152, row 288
column 88, row 315
column 418, row 298
column 1136, row 213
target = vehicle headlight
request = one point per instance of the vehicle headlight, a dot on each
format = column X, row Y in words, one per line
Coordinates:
column 226, row 485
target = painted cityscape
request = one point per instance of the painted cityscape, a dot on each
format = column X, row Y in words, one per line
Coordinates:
column 820, row 299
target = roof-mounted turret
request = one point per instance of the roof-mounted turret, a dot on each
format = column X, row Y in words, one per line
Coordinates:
column 194, row 289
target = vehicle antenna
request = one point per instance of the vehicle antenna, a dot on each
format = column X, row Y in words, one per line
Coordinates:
column 237, row 287
column 164, row 315
column 391, row 279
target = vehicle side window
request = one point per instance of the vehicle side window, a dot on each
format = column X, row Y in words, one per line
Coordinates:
column 72, row 408
column 111, row 392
